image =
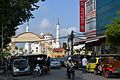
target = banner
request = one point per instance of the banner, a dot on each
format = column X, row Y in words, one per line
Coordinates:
column 82, row 15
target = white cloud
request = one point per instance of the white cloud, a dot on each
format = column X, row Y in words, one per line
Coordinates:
column 45, row 23
column 67, row 31
column 45, row 26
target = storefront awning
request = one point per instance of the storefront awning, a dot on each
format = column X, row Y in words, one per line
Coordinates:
column 93, row 40
column 89, row 40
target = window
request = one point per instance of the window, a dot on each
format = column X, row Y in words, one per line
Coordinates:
column 36, row 50
column 20, row 62
column 92, row 61
column 36, row 47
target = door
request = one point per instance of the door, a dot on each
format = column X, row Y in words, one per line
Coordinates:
column 91, row 65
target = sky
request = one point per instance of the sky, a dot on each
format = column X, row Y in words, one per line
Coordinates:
column 45, row 17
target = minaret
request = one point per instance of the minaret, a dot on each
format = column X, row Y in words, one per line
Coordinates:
column 27, row 47
column 58, row 35
column 27, row 27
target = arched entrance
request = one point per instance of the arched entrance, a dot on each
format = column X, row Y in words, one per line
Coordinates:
column 29, row 37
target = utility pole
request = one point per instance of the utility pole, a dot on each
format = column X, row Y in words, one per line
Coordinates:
column 42, row 0
column 68, row 46
column 2, row 38
column 71, row 39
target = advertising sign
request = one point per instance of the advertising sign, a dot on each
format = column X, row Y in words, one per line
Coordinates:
column 82, row 15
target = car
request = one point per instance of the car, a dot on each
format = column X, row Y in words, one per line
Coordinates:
column 92, row 63
column 55, row 63
column 77, row 59
column 20, row 67
column 62, row 61
column 107, row 65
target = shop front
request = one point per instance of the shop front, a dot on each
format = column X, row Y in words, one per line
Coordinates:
column 96, row 45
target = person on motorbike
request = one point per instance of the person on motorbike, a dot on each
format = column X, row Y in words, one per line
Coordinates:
column 69, row 64
column 37, row 71
column 37, row 67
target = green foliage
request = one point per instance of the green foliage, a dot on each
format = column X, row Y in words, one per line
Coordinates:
column 12, row 14
column 113, row 32
column 77, row 50
column 86, row 51
column 4, row 54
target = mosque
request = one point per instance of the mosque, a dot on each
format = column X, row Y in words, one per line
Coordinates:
column 45, row 43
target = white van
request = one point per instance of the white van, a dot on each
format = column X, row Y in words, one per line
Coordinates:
column 20, row 67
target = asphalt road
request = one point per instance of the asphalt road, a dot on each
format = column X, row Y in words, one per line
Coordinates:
column 59, row 74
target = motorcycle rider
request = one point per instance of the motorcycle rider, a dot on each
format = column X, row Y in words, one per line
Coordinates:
column 37, row 67
column 38, row 70
column 69, row 64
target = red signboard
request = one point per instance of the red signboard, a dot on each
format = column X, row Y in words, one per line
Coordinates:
column 82, row 15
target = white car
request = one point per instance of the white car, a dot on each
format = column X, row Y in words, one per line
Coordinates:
column 55, row 63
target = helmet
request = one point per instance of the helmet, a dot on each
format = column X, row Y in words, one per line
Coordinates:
column 69, row 58
column 37, row 64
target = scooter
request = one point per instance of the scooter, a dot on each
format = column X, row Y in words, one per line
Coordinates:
column 44, row 70
column 37, row 71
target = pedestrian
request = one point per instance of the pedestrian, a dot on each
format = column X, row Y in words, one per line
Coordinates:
column 84, row 64
column 48, row 64
column 69, row 64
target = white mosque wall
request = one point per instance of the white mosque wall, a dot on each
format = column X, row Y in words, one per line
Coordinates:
column 35, row 48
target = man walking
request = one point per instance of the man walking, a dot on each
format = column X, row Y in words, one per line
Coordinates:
column 84, row 63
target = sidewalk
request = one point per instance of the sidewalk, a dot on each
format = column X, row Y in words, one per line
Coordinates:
column 2, row 77
column 6, row 76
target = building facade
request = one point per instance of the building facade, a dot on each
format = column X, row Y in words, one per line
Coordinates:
column 90, row 18
column 99, row 13
column 44, row 46
column 106, row 11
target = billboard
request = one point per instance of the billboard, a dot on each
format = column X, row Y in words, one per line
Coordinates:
column 82, row 15
column 90, row 23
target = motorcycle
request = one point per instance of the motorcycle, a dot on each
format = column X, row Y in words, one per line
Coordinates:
column 71, row 73
column 37, row 71
column 44, row 70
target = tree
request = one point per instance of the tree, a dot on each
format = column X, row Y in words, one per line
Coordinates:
column 113, row 34
column 4, row 54
column 77, row 51
column 12, row 14
column 86, row 51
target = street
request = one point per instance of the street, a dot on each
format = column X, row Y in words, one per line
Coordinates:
column 36, row 35
column 59, row 74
